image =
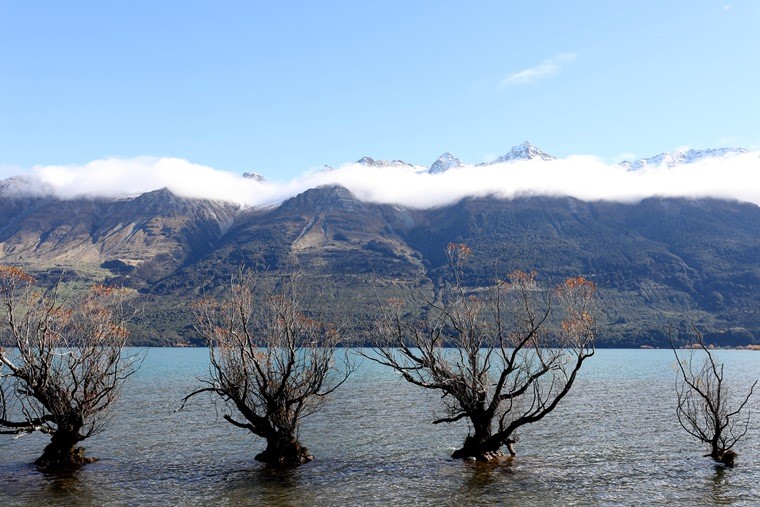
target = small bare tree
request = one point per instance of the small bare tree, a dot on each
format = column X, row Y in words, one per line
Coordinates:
column 501, row 358
column 272, row 361
column 65, row 368
column 707, row 408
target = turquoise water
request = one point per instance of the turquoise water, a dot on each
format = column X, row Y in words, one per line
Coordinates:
column 613, row 441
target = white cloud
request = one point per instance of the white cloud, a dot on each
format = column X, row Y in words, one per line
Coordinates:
column 583, row 177
column 114, row 177
column 546, row 69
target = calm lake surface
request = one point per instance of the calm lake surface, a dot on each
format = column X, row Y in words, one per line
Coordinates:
column 614, row 440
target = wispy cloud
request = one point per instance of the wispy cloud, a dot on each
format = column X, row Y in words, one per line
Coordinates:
column 546, row 69
column 582, row 177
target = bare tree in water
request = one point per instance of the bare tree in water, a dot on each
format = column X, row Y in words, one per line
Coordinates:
column 65, row 368
column 707, row 409
column 272, row 360
column 502, row 358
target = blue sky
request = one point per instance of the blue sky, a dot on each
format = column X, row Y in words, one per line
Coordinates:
column 284, row 87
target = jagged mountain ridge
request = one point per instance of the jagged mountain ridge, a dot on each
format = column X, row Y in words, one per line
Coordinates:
column 446, row 161
column 370, row 162
column 680, row 157
column 528, row 151
column 325, row 229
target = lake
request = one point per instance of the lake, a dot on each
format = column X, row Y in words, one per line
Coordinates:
column 614, row 440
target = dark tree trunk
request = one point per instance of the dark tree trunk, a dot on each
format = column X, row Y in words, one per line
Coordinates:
column 728, row 458
column 284, row 452
column 477, row 449
column 717, row 453
column 62, row 453
column 481, row 446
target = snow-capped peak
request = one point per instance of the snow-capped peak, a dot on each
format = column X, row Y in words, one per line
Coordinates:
column 254, row 176
column 680, row 157
column 525, row 151
column 371, row 162
column 444, row 163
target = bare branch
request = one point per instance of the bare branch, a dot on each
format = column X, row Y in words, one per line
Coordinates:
column 272, row 358
column 68, row 367
column 704, row 401
column 507, row 354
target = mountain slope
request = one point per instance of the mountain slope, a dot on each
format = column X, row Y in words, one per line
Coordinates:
column 138, row 240
column 351, row 249
column 656, row 262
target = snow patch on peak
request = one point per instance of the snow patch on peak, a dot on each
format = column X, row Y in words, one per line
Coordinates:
column 444, row 163
column 525, row 151
column 253, row 176
column 371, row 162
column 681, row 157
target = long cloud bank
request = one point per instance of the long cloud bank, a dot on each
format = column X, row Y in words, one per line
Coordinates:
column 582, row 177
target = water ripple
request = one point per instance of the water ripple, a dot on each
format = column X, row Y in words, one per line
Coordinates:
column 614, row 441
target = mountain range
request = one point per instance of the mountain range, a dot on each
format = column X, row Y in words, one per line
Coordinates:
column 680, row 157
column 657, row 262
column 528, row 151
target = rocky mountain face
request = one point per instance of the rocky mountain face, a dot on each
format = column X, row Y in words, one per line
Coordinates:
column 657, row 262
column 444, row 163
column 145, row 238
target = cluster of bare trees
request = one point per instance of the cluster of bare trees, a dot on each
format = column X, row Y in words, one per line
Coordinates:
column 502, row 357
column 272, row 361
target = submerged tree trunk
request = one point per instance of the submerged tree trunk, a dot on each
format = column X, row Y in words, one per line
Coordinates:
column 482, row 446
column 706, row 407
column 482, row 450
column 273, row 358
column 284, row 452
column 715, row 451
column 728, row 457
column 477, row 449
column 62, row 453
